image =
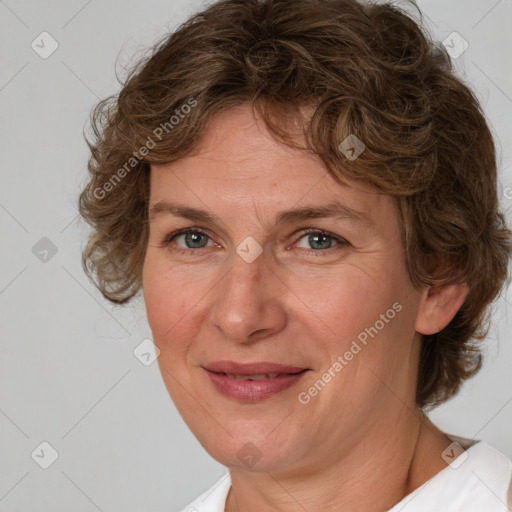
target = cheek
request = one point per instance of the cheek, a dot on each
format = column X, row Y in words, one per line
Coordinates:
column 168, row 302
column 371, row 326
column 350, row 303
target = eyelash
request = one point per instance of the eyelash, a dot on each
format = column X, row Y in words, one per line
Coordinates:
column 339, row 241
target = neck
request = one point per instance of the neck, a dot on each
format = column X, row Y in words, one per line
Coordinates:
column 371, row 475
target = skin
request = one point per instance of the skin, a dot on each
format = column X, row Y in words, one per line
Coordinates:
column 360, row 443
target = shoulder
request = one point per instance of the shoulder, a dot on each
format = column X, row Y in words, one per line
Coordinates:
column 213, row 499
column 479, row 478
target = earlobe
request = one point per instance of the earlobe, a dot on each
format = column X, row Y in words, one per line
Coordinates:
column 438, row 306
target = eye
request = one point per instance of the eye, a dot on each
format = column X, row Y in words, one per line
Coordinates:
column 192, row 238
column 320, row 241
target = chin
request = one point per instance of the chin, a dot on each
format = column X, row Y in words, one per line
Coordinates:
column 252, row 452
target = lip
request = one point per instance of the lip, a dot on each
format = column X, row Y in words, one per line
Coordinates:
column 251, row 368
column 252, row 390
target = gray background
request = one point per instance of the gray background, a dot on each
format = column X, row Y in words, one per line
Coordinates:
column 68, row 373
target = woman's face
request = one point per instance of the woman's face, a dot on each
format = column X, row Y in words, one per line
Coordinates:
column 334, row 305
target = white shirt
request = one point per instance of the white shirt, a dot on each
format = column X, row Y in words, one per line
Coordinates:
column 478, row 480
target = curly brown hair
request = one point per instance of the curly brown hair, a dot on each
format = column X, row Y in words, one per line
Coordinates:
column 366, row 69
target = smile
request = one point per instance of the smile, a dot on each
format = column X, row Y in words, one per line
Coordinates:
column 247, row 384
column 261, row 376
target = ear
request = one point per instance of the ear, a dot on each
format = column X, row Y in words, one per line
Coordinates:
column 438, row 306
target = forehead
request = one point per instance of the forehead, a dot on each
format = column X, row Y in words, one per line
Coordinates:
column 237, row 163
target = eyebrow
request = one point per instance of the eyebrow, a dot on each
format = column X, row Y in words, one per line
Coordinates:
column 333, row 210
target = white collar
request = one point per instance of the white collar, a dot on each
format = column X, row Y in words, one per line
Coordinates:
column 481, row 483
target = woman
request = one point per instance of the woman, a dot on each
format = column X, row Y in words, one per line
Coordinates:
column 306, row 196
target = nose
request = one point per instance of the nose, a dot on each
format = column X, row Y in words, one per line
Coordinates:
column 248, row 302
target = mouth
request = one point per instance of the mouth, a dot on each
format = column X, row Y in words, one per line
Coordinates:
column 261, row 376
column 251, row 382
